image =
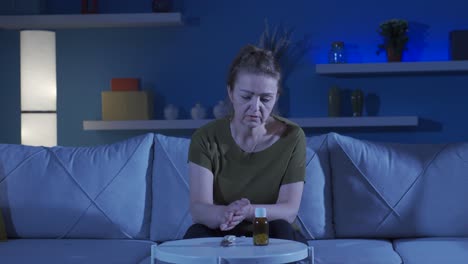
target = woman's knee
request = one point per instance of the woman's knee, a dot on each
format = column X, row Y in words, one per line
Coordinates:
column 280, row 224
column 281, row 229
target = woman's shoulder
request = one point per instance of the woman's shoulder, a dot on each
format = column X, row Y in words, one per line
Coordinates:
column 212, row 128
column 292, row 129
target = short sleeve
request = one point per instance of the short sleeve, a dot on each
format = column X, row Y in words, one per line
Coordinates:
column 295, row 172
column 199, row 151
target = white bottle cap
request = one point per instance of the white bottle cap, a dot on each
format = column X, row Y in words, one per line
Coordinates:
column 260, row 212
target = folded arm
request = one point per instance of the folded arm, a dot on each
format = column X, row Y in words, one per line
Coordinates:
column 204, row 211
column 287, row 205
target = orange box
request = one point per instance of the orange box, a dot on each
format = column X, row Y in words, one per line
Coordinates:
column 125, row 84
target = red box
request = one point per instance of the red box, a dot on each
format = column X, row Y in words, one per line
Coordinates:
column 125, row 84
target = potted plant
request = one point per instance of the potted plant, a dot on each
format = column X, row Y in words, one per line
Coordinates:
column 277, row 40
column 394, row 34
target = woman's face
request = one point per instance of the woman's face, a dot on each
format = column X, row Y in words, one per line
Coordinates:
column 253, row 98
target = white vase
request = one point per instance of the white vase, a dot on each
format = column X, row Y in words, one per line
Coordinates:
column 171, row 112
column 198, row 112
column 220, row 110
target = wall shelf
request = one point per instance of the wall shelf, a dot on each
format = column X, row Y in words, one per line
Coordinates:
column 392, row 68
column 90, row 21
column 365, row 121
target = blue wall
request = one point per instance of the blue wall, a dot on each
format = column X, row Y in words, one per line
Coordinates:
column 188, row 64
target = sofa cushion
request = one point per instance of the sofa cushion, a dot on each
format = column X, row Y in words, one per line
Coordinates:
column 59, row 251
column 77, row 192
column 392, row 190
column 433, row 250
column 171, row 198
column 315, row 212
column 354, row 251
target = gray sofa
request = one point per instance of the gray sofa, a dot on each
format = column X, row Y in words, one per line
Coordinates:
column 369, row 202
column 363, row 202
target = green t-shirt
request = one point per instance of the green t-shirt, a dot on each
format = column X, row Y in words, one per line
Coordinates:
column 256, row 176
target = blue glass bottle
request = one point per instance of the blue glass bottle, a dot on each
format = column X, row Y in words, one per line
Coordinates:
column 337, row 52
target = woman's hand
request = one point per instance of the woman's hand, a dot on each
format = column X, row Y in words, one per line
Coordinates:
column 235, row 213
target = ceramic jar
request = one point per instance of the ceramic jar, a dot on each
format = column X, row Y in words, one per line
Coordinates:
column 357, row 102
column 89, row 8
column 198, row 112
column 334, row 101
column 171, row 112
column 220, row 110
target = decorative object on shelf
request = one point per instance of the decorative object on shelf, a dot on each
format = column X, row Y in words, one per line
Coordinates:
column 84, row 6
column 220, row 110
column 357, row 102
column 394, row 33
column 334, row 101
column 87, row 8
column 162, row 6
column 126, row 105
column 277, row 41
column 288, row 53
column 337, row 52
column 198, row 112
column 171, row 112
column 458, row 44
column 125, row 84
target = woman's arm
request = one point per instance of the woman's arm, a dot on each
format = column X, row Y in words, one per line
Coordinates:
column 201, row 202
column 201, row 198
column 290, row 194
column 287, row 205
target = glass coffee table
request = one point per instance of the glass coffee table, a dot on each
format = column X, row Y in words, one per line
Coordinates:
column 210, row 251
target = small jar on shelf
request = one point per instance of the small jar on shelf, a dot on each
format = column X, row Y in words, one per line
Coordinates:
column 337, row 53
column 357, row 102
column 221, row 110
column 198, row 112
column 171, row 112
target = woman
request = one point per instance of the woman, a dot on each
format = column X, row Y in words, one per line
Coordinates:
column 251, row 159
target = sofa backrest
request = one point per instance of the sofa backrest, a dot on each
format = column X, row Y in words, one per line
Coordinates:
column 77, row 192
column 171, row 197
column 171, row 215
column 387, row 190
column 315, row 212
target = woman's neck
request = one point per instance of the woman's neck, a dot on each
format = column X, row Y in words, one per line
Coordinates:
column 244, row 132
column 249, row 138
